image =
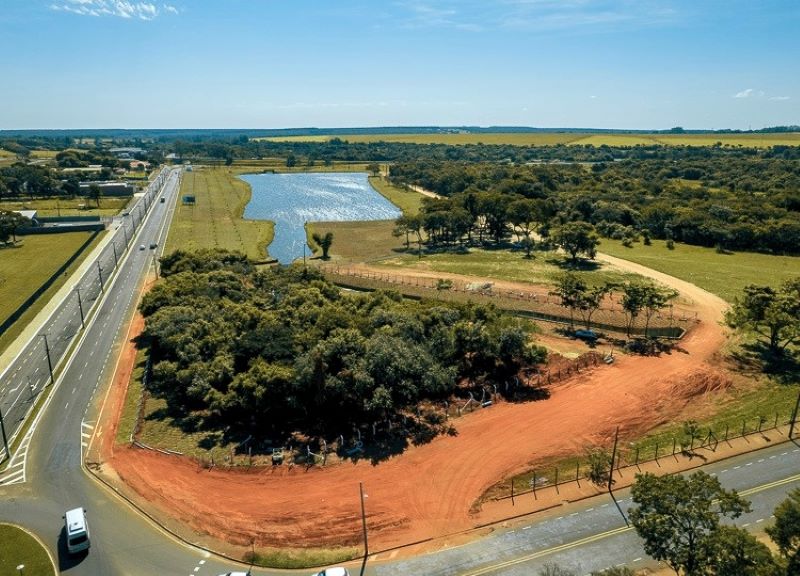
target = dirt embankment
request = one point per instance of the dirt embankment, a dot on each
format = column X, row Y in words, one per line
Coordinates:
column 430, row 489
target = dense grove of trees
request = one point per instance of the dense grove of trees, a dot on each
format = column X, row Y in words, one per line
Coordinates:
column 272, row 352
column 748, row 202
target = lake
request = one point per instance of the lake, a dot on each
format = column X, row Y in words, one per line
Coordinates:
column 291, row 200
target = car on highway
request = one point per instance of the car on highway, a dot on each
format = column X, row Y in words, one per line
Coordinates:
column 153, row 245
column 337, row 571
column 141, row 246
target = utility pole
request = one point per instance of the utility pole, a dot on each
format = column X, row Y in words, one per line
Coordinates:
column 5, row 439
column 125, row 232
column 80, row 306
column 100, row 274
column 613, row 459
column 364, row 526
column 49, row 361
column 794, row 417
column 116, row 259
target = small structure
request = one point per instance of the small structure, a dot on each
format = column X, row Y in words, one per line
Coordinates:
column 111, row 188
column 188, row 200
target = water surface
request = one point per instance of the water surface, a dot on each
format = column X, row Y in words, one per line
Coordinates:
column 291, row 200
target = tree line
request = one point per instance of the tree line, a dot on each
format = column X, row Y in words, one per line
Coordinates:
column 271, row 352
column 744, row 204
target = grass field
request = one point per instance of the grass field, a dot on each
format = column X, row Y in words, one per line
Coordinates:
column 215, row 221
column 407, row 200
column 553, row 138
column 723, row 274
column 279, row 165
column 18, row 547
column 69, row 207
column 504, row 265
column 28, row 265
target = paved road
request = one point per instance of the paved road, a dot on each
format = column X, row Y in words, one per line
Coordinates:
column 592, row 535
column 30, row 372
column 586, row 536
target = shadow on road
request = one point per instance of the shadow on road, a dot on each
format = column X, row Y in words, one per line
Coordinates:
column 66, row 560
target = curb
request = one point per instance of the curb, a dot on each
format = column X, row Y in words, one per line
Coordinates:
column 38, row 541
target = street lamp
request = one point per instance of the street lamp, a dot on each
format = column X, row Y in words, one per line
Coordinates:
column 364, row 526
column 20, row 568
column 5, row 439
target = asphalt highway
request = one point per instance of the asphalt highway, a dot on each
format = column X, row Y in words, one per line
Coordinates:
column 585, row 536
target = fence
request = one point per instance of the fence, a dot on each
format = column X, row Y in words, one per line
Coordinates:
column 534, row 302
column 629, row 458
column 371, row 441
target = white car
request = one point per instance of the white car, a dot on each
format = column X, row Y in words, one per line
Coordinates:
column 235, row 574
column 338, row 571
column 141, row 246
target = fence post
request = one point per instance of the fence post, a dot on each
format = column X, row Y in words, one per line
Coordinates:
column 512, row 491
column 744, row 423
column 673, row 446
column 637, row 459
column 578, row 473
column 533, row 484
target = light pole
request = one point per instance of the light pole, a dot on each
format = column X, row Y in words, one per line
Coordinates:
column 20, row 568
column 5, row 439
column 49, row 361
column 80, row 305
column 364, row 527
column 100, row 274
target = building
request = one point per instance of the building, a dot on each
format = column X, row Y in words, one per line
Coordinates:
column 110, row 188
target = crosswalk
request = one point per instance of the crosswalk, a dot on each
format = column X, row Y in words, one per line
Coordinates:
column 86, row 434
column 15, row 471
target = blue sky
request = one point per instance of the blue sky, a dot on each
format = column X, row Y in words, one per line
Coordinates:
column 334, row 63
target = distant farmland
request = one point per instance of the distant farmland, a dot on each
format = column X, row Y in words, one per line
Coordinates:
column 748, row 140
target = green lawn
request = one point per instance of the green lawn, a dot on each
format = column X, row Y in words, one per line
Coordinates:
column 722, row 274
column 26, row 266
column 17, row 547
column 215, row 221
column 407, row 200
column 69, row 207
column 546, row 268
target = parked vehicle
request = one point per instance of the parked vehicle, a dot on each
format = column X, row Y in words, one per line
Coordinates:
column 337, row 571
column 587, row 335
column 77, row 530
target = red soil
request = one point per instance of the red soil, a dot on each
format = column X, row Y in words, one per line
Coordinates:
column 429, row 490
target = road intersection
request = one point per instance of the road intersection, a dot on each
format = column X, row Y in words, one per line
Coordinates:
column 46, row 475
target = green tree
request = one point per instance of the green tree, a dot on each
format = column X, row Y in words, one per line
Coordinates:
column 324, row 242
column 786, row 531
column 678, row 518
column 736, row 552
column 571, row 290
column 773, row 314
column 291, row 161
column 10, row 222
column 576, row 238
column 95, row 193
column 374, row 168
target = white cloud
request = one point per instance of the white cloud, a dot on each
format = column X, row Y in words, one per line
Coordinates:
column 744, row 93
column 780, row 98
column 128, row 9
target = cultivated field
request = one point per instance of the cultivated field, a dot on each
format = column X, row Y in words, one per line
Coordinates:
column 25, row 267
column 215, row 221
column 69, row 207
column 575, row 138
